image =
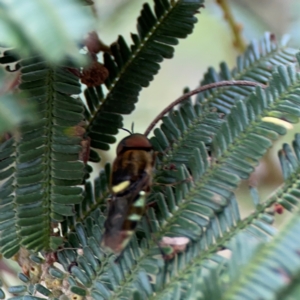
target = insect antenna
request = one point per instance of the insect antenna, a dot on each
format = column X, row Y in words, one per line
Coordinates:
column 130, row 132
column 132, row 127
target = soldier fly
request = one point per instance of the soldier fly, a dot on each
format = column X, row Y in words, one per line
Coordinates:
column 130, row 183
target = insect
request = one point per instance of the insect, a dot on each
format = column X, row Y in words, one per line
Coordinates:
column 130, row 183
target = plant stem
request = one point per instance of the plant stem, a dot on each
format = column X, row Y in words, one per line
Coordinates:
column 236, row 28
column 199, row 90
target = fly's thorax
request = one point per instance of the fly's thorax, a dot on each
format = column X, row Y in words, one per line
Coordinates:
column 132, row 168
column 135, row 160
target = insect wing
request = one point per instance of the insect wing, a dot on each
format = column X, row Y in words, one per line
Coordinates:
column 123, row 216
column 130, row 182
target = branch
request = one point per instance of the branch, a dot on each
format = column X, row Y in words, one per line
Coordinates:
column 238, row 41
column 199, row 90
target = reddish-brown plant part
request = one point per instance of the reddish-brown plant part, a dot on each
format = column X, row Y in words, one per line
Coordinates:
column 94, row 75
column 94, row 43
column 84, row 154
column 173, row 245
column 74, row 71
column 77, row 130
column 171, row 167
column 278, row 208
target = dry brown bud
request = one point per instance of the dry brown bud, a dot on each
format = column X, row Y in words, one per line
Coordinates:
column 94, row 75
column 93, row 43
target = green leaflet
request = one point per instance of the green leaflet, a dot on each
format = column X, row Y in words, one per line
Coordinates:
column 267, row 263
column 209, row 153
column 131, row 69
column 193, row 123
column 39, row 187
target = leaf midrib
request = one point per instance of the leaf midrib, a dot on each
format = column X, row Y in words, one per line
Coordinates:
column 210, row 99
column 132, row 58
column 210, row 171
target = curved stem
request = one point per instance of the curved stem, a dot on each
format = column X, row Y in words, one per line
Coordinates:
column 199, row 90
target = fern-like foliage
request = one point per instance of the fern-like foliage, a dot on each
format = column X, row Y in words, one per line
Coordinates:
column 269, row 274
column 188, row 125
column 252, row 272
column 132, row 68
column 204, row 210
column 51, row 213
column 272, row 271
column 41, row 166
column 268, row 270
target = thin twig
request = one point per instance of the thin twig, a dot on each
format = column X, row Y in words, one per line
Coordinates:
column 199, row 90
column 236, row 28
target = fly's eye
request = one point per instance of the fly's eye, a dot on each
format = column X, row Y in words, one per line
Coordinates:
column 134, row 141
column 120, row 148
